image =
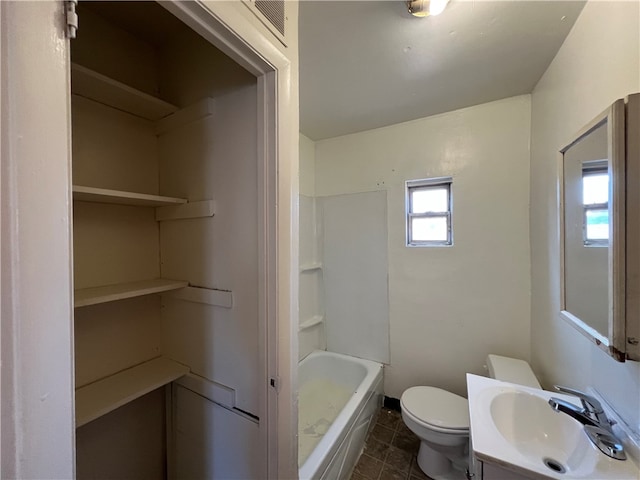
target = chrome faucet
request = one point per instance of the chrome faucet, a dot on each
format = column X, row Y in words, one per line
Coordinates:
column 573, row 411
column 596, row 424
column 591, row 412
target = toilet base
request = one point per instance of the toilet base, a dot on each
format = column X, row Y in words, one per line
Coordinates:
column 436, row 465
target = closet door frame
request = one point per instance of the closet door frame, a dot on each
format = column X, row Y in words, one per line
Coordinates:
column 37, row 376
column 225, row 25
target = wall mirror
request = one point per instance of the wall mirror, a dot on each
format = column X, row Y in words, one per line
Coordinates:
column 598, row 222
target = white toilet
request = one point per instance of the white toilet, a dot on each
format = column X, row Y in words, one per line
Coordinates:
column 441, row 419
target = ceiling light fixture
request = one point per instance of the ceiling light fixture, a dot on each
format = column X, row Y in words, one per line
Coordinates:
column 423, row 8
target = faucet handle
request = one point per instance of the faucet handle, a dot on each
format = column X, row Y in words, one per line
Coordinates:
column 589, row 403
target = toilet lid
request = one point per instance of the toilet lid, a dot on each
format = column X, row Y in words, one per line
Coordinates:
column 437, row 407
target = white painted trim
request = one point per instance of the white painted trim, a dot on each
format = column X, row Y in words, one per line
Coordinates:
column 3, row 403
column 616, row 130
column 225, row 25
column 38, row 434
column 213, row 20
column 633, row 230
column 586, row 330
column 427, row 182
column 264, row 216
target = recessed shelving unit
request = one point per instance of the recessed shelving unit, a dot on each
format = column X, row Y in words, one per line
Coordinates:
column 110, row 293
column 102, row 89
column 156, row 111
column 118, row 197
column 104, row 396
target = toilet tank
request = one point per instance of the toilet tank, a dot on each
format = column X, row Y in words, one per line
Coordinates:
column 511, row 370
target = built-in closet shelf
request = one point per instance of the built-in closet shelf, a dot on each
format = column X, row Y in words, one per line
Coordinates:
column 118, row 197
column 104, row 396
column 311, row 322
column 310, row 267
column 102, row 89
column 110, row 293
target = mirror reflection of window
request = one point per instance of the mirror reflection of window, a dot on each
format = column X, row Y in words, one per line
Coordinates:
column 595, row 200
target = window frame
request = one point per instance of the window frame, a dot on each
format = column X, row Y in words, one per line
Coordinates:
column 427, row 184
column 594, row 167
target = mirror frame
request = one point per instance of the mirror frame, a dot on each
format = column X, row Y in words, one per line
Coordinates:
column 615, row 340
column 632, row 327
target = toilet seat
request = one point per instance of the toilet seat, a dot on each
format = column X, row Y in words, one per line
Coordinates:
column 437, row 409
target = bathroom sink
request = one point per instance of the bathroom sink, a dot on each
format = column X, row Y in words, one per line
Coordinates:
column 539, row 433
column 514, row 426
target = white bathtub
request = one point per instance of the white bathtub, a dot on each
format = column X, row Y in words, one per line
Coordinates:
column 338, row 398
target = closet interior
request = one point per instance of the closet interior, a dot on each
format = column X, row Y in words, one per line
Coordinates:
column 166, row 250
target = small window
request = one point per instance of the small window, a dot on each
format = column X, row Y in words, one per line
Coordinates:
column 595, row 201
column 428, row 206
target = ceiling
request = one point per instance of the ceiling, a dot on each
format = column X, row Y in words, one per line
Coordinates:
column 367, row 64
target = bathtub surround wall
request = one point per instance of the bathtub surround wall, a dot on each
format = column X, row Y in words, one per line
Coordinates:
column 598, row 63
column 311, row 329
column 449, row 306
column 343, row 300
column 307, row 166
column 311, row 335
column 355, row 274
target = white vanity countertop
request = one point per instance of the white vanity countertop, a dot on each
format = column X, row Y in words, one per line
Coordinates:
column 511, row 427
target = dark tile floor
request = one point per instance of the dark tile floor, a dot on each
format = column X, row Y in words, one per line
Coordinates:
column 390, row 451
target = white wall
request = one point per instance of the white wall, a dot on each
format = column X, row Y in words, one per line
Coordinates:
column 598, row 63
column 449, row 306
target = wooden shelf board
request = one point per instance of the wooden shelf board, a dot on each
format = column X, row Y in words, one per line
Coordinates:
column 118, row 197
column 102, row 89
column 104, row 396
column 110, row 293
